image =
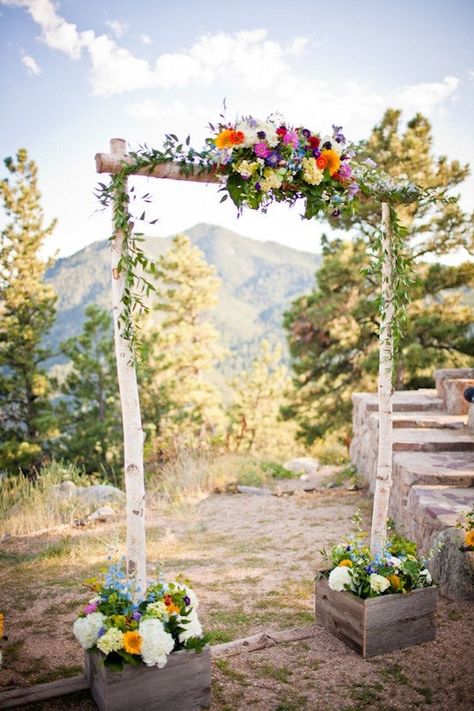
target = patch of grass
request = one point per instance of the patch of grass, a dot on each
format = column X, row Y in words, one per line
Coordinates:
column 394, row 673
column 282, row 674
column 219, row 636
column 365, row 695
column 224, row 666
column 454, row 615
column 426, row 693
column 12, row 652
column 295, row 703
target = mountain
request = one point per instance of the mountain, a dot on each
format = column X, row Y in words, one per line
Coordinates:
column 260, row 280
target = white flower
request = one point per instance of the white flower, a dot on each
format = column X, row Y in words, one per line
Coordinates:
column 156, row 644
column 378, row 583
column 111, row 641
column 86, row 629
column 393, row 560
column 192, row 628
column 191, row 594
column 425, row 573
column 339, row 577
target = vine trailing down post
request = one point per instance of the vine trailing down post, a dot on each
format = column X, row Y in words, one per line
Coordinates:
column 257, row 163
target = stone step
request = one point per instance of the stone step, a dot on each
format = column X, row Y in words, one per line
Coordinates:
column 431, row 515
column 403, row 400
column 455, row 469
column 435, row 419
column 430, row 439
column 443, row 374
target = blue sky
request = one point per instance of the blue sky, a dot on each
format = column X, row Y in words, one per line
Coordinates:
column 77, row 73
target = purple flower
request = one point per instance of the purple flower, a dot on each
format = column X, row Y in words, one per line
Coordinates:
column 136, row 615
column 187, row 600
column 91, row 607
column 306, row 133
column 370, row 163
column 370, row 569
column 261, row 150
column 257, row 186
column 316, row 152
column 345, row 170
column 335, row 213
column 273, row 159
column 338, row 135
column 261, row 135
column 353, row 189
column 291, row 138
column 101, row 632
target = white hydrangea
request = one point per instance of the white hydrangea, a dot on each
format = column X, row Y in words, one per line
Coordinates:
column 251, row 133
column 339, row 577
column 393, row 560
column 379, row 583
column 157, row 609
column 191, row 594
column 425, row 573
column 86, row 629
column 111, row 641
column 192, row 628
column 156, row 642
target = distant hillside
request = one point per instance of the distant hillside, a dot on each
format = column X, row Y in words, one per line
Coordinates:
column 260, row 279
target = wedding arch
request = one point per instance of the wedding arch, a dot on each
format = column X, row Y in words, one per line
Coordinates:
column 256, row 163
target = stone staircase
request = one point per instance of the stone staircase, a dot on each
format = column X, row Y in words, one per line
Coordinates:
column 433, row 469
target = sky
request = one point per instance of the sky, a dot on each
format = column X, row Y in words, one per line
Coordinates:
column 76, row 73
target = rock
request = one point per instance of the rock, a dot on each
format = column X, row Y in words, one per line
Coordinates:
column 256, row 490
column 352, row 487
column 453, row 568
column 304, row 477
column 100, row 494
column 104, row 513
column 65, row 490
column 302, row 465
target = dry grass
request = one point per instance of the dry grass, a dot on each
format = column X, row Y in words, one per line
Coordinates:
column 28, row 506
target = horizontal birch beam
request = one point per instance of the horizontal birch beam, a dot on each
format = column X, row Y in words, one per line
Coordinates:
column 109, row 163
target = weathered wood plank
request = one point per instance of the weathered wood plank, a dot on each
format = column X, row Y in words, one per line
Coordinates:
column 377, row 625
column 108, row 163
column 261, row 641
column 184, row 683
column 13, row 698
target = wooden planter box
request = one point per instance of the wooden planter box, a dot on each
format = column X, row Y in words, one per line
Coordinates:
column 379, row 624
column 183, row 684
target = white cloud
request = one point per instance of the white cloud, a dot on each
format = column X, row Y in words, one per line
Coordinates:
column 31, row 64
column 425, row 96
column 118, row 27
column 145, row 39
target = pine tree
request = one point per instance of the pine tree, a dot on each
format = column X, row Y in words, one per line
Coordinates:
column 27, row 312
column 91, row 427
column 179, row 399
column 333, row 332
column 255, row 424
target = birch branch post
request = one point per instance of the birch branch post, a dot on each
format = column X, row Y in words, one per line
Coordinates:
column 383, row 481
column 133, row 435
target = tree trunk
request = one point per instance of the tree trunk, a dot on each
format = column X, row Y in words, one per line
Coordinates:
column 384, row 466
column 132, row 426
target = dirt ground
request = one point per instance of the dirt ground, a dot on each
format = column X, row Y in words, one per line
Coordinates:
column 252, row 561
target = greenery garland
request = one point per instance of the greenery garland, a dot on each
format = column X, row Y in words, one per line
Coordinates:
column 258, row 163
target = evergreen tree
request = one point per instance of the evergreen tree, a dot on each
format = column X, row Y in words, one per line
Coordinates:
column 180, row 350
column 27, row 312
column 258, row 396
column 89, row 413
column 333, row 332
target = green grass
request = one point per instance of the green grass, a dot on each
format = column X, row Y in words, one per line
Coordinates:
column 224, row 666
column 394, row 673
column 282, row 674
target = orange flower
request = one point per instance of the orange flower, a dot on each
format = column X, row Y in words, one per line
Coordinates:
column 346, row 563
column 469, row 539
column 333, row 160
column 172, row 609
column 228, row 138
column 321, row 162
column 394, row 581
column 132, row 642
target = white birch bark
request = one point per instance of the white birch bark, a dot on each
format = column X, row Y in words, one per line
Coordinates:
column 383, row 482
column 133, row 435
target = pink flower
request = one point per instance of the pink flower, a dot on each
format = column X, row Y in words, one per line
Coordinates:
column 291, row 137
column 261, row 150
column 345, row 171
column 91, row 607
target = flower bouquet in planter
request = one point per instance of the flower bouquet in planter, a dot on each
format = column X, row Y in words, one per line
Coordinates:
column 140, row 643
column 380, row 603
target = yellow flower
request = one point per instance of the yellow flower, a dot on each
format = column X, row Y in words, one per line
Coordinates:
column 172, row 609
column 346, row 562
column 333, row 160
column 311, row 173
column 132, row 642
column 394, row 581
column 469, row 539
column 271, row 179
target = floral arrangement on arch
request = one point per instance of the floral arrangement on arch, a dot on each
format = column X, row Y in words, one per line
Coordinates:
column 125, row 631
column 267, row 161
column 398, row 569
